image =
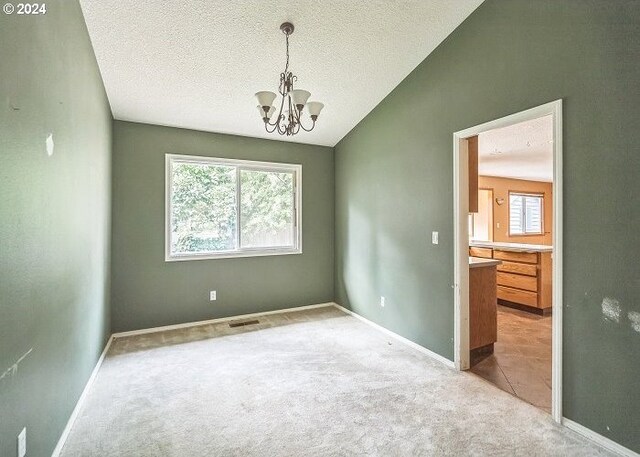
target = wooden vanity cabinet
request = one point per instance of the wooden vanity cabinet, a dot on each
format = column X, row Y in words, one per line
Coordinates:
column 523, row 278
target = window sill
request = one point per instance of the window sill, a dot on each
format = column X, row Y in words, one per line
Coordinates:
column 231, row 255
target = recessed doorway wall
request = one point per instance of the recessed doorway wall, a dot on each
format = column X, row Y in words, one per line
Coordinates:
column 461, row 240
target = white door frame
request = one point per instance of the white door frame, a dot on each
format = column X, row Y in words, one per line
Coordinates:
column 461, row 240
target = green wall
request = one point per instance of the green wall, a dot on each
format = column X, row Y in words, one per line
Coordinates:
column 54, row 222
column 149, row 292
column 394, row 185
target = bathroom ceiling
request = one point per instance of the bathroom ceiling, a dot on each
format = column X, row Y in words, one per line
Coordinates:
column 520, row 151
column 196, row 64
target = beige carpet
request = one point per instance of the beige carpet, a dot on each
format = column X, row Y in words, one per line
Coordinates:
column 309, row 383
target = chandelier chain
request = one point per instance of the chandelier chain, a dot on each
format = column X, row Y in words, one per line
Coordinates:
column 286, row 67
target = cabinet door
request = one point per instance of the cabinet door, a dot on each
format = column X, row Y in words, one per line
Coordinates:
column 514, row 256
column 483, row 319
column 518, row 281
column 518, row 296
column 518, row 268
column 485, row 253
column 546, row 278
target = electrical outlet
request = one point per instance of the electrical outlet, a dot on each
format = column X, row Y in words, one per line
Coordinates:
column 212, row 295
column 434, row 237
column 22, row 443
column 382, row 300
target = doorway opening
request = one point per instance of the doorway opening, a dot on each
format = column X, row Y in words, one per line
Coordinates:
column 508, row 253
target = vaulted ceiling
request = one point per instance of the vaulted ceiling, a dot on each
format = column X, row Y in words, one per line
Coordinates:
column 519, row 151
column 196, row 64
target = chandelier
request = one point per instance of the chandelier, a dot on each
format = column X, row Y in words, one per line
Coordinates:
column 289, row 118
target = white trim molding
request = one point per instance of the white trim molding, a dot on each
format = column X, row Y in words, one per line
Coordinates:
column 239, row 165
column 76, row 410
column 461, row 240
column 380, row 328
column 395, row 336
column 598, row 439
column 164, row 328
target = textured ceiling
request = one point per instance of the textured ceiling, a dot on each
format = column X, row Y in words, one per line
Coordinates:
column 520, row 151
column 196, row 64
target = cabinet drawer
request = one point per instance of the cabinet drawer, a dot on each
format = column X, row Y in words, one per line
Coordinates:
column 518, row 281
column 527, row 257
column 480, row 252
column 519, row 268
column 523, row 297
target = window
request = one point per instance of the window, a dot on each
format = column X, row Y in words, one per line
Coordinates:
column 525, row 214
column 231, row 208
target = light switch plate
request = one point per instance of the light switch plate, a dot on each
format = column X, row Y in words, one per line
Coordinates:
column 434, row 237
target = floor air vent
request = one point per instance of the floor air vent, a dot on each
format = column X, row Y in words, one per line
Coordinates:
column 244, row 323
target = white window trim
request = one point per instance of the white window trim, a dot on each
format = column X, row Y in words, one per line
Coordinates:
column 296, row 169
column 524, row 226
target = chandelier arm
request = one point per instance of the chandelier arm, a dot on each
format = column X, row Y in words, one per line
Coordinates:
column 281, row 109
column 279, row 113
column 292, row 113
column 297, row 118
column 296, row 128
column 273, row 124
column 276, row 128
column 284, row 119
column 308, row 129
column 266, row 127
column 282, row 128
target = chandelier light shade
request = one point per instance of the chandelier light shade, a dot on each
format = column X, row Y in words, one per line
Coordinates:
column 288, row 120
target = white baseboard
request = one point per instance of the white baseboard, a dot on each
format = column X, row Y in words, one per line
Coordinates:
column 402, row 339
column 598, row 439
column 603, row 441
column 74, row 414
column 215, row 321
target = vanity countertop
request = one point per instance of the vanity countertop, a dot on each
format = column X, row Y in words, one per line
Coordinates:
column 520, row 247
column 476, row 262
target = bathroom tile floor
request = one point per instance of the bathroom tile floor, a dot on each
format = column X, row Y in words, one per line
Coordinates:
column 521, row 362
